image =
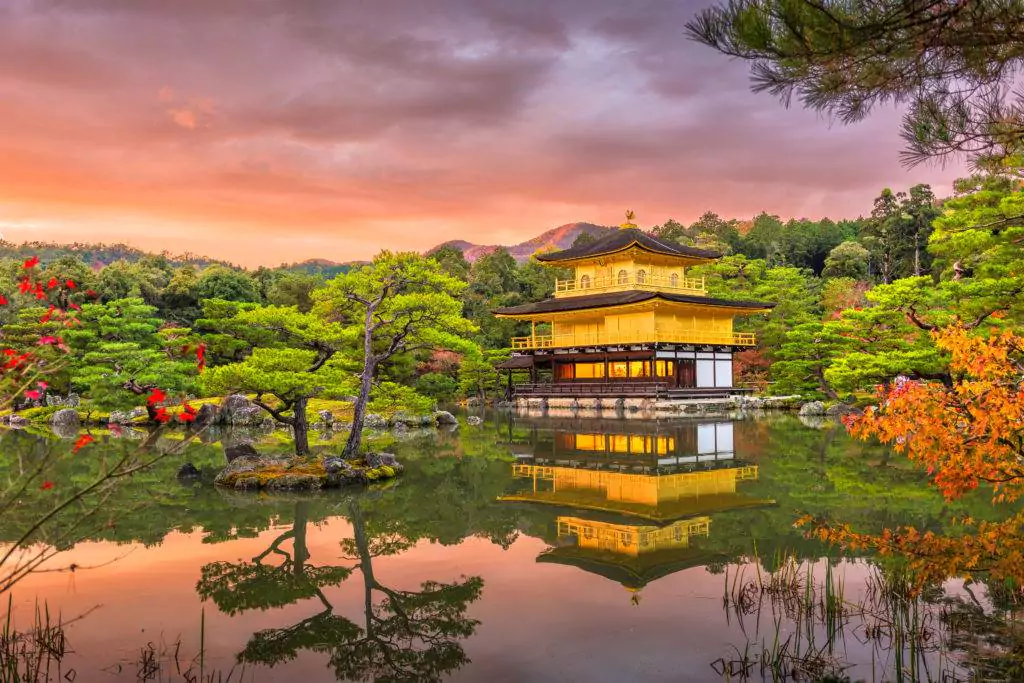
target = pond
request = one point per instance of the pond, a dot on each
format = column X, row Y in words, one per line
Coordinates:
column 521, row 549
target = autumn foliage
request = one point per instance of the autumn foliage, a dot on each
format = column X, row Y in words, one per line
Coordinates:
column 966, row 435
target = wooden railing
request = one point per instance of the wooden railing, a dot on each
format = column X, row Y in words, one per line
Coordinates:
column 618, row 388
column 633, row 280
column 548, row 341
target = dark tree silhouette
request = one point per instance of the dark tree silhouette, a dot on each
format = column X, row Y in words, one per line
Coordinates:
column 405, row 635
column 951, row 62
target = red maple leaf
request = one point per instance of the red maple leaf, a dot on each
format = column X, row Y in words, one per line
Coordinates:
column 161, row 415
column 33, row 394
column 25, row 285
column 70, row 284
column 3, row 300
column 47, row 485
column 47, row 339
column 156, row 396
column 83, row 441
column 201, row 356
column 52, row 283
column 31, row 263
column 188, row 413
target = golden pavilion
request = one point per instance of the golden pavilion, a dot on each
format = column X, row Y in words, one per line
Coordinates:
column 631, row 321
column 631, row 498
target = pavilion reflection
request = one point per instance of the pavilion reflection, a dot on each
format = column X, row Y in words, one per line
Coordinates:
column 632, row 499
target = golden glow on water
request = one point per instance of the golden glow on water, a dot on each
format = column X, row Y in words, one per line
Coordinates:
column 631, row 539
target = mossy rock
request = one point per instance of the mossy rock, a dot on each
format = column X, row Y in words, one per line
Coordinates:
column 249, row 473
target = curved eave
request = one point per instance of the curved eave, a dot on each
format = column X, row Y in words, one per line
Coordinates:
column 554, row 259
column 572, row 306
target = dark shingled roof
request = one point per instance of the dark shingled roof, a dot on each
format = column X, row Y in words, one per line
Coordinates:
column 578, row 303
column 516, row 363
column 623, row 238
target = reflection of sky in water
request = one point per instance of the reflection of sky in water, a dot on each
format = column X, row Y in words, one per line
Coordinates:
column 606, row 582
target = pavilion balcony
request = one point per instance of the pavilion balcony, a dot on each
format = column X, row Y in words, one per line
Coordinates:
column 680, row 336
column 626, row 280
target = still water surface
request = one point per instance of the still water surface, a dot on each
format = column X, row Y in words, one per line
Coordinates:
column 523, row 549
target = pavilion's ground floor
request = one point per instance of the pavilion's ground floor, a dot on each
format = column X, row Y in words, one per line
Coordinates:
column 643, row 371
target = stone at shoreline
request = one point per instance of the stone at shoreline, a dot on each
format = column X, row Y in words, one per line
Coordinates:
column 15, row 421
column 812, row 408
column 67, row 417
column 206, row 415
column 474, row 420
column 247, row 417
column 230, row 405
column 255, row 472
column 443, row 417
column 841, row 409
column 119, row 417
column 66, row 431
column 188, row 471
column 240, row 450
column 375, row 421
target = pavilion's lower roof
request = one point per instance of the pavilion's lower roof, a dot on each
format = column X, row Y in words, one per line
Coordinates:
column 579, row 303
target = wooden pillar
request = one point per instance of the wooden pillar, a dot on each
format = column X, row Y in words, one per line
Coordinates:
column 533, row 333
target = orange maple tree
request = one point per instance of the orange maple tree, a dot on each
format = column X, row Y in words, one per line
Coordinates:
column 966, row 435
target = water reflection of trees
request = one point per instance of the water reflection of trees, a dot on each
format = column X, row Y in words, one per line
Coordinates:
column 403, row 635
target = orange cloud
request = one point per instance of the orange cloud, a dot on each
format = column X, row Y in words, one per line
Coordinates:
column 284, row 132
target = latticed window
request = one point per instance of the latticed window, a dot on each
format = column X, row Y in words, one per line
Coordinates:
column 623, row 277
column 641, row 276
column 585, row 282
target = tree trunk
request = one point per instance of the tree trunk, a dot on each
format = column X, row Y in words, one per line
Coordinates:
column 370, row 361
column 826, row 388
column 355, row 437
column 300, row 553
column 300, row 425
column 362, row 543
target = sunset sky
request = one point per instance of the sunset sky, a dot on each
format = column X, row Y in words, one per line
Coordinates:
column 262, row 131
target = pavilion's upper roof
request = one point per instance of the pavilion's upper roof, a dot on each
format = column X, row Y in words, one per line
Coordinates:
column 620, row 240
column 579, row 303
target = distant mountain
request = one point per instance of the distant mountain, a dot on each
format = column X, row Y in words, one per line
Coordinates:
column 555, row 239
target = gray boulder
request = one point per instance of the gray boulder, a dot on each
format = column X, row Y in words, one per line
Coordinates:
column 374, row 421
column 54, row 400
column 230, row 405
column 68, row 417
column 246, row 416
column 119, row 417
column 16, row 421
column 336, row 465
column 812, row 408
column 73, row 400
column 474, row 420
column 188, row 472
column 206, row 415
column 841, row 409
column 240, row 450
column 242, row 467
column 443, row 418
column 326, row 417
